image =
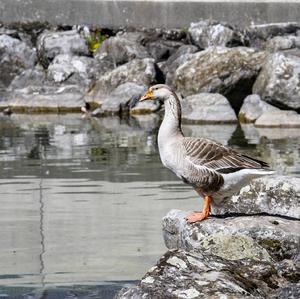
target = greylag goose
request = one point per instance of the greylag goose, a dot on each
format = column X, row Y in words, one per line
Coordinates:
column 215, row 171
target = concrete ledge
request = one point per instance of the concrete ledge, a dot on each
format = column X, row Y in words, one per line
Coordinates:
column 176, row 14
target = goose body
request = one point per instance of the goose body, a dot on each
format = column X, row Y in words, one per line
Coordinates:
column 215, row 171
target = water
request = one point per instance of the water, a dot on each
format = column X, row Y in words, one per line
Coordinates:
column 82, row 199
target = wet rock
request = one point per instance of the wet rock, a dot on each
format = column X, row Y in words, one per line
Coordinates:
column 73, row 69
column 205, row 34
column 207, row 107
column 217, row 70
column 119, row 99
column 145, row 107
column 139, row 71
column 52, row 43
column 278, row 236
column 46, row 99
column 122, row 48
column 281, row 118
column 259, row 34
column 182, row 55
column 253, row 107
column 180, row 274
column 279, row 81
column 15, row 56
column 279, row 195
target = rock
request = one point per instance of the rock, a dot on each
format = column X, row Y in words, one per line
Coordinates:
column 73, row 69
column 279, row 236
column 279, row 43
column 207, row 107
column 279, row 195
column 52, row 43
column 145, row 107
column 279, row 81
column 180, row 274
column 253, row 107
column 205, row 34
column 162, row 49
column 281, row 118
column 182, row 55
column 217, row 70
column 15, row 56
column 119, row 99
column 139, row 71
column 258, row 34
column 121, row 49
column 46, row 99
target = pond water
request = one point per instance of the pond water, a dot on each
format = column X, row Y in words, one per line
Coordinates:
column 82, row 199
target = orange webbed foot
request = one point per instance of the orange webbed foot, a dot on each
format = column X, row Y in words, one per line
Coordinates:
column 200, row 216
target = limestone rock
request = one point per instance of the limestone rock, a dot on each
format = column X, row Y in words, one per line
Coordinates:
column 279, row 81
column 121, row 49
column 46, row 99
column 52, row 43
column 182, row 55
column 15, row 56
column 205, row 34
column 279, row 195
column 119, row 99
column 139, row 71
column 279, row 236
column 207, row 107
column 253, row 107
column 281, row 118
column 74, row 69
column 217, row 70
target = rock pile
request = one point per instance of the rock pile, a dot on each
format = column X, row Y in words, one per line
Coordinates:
column 255, row 69
column 241, row 256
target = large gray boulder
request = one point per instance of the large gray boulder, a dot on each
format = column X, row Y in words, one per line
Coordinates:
column 207, row 108
column 278, row 195
column 278, row 236
column 281, row 118
column 242, row 257
column 253, row 107
column 15, row 56
column 279, row 81
column 182, row 55
column 217, row 70
column 119, row 99
column 72, row 69
column 52, row 43
column 122, row 48
column 139, row 71
column 46, row 99
column 280, row 43
column 205, row 34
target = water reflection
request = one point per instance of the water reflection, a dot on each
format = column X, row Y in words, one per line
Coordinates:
column 82, row 199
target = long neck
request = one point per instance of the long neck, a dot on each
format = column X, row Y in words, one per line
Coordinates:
column 171, row 124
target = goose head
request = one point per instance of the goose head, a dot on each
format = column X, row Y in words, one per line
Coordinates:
column 157, row 92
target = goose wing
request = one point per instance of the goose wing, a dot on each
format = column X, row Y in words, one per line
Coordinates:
column 208, row 154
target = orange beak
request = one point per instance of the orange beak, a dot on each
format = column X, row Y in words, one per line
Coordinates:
column 147, row 96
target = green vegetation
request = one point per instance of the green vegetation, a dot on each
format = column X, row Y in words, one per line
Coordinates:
column 95, row 39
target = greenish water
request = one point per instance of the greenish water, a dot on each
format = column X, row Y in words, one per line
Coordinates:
column 82, row 199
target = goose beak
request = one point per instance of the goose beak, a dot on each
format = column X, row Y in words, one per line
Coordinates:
column 147, row 96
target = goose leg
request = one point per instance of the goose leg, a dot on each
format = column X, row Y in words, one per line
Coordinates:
column 199, row 216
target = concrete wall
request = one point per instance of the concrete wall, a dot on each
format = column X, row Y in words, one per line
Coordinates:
column 147, row 13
